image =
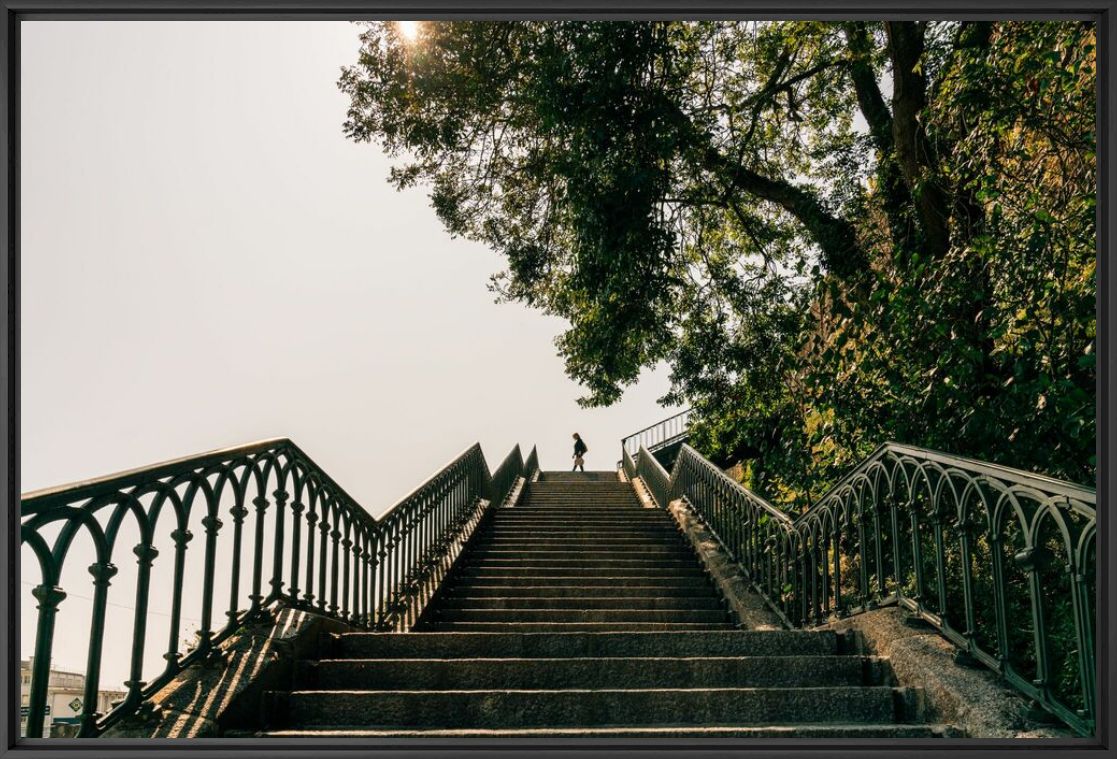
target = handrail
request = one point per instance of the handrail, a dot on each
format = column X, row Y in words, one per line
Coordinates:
column 655, row 477
column 627, row 463
column 1000, row 561
column 506, row 475
column 658, row 435
column 368, row 572
column 531, row 466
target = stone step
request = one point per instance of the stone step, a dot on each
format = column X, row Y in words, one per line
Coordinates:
column 696, row 580
column 623, row 495
column 560, row 529
column 466, row 600
column 628, row 518
column 614, row 673
column 474, row 614
column 576, row 538
column 504, row 569
column 588, row 537
column 580, row 545
column 597, row 521
column 590, row 707
column 626, row 510
column 584, row 555
column 630, row 511
column 590, row 475
column 593, row 644
column 578, row 480
column 587, row 506
column 543, row 563
column 635, row 593
column 581, row 496
column 631, row 514
column 856, row 731
column 570, row 479
column 568, row 524
column 579, row 490
column 571, row 627
column 591, row 540
column 555, row 492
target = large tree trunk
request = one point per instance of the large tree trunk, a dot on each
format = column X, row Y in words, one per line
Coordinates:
column 894, row 194
column 913, row 151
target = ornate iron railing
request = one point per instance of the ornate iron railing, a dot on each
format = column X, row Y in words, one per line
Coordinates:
column 1000, row 561
column 659, row 435
column 311, row 546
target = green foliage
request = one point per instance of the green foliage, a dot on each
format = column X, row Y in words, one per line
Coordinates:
column 823, row 265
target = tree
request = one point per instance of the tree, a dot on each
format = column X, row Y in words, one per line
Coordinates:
column 821, row 265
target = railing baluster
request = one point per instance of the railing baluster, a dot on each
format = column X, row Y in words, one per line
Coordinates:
column 346, row 545
column 49, row 597
column 797, row 565
column 212, row 525
column 381, row 569
column 103, row 573
column 335, row 559
column 145, row 556
column 312, row 519
column 238, row 513
column 297, row 509
column 323, row 554
column 276, row 581
column 181, row 537
column 260, row 502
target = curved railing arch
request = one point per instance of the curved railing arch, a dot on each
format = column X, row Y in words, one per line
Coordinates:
column 327, row 554
column 1002, row 562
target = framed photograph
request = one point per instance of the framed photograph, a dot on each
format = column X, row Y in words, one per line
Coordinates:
column 422, row 379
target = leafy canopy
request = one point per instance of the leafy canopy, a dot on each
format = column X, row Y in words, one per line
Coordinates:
column 834, row 233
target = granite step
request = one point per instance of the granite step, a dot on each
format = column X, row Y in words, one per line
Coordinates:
column 583, row 707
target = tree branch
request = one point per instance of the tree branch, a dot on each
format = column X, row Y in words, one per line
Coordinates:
column 835, row 237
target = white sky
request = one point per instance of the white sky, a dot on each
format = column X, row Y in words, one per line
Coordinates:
column 207, row 261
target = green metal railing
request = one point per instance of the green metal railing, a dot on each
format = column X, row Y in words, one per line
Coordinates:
column 659, row 435
column 1000, row 561
column 311, row 546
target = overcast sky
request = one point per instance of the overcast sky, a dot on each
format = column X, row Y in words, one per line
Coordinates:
column 207, row 261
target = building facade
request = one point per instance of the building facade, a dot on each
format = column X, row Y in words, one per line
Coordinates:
column 65, row 699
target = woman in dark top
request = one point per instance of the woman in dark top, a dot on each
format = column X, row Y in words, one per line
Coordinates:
column 579, row 451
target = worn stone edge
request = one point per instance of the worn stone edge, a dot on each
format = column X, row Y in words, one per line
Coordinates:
column 225, row 690
column 514, row 493
column 975, row 701
column 643, row 493
column 751, row 609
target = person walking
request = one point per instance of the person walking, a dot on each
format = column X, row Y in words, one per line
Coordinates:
column 580, row 450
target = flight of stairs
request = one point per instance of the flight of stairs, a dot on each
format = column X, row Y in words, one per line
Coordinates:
column 578, row 612
column 579, row 556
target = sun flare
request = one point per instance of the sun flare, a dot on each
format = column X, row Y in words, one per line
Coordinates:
column 409, row 30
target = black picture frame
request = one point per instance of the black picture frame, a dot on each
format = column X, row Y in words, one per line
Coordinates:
column 15, row 11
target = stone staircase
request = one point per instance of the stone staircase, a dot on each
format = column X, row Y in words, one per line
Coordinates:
column 579, row 612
